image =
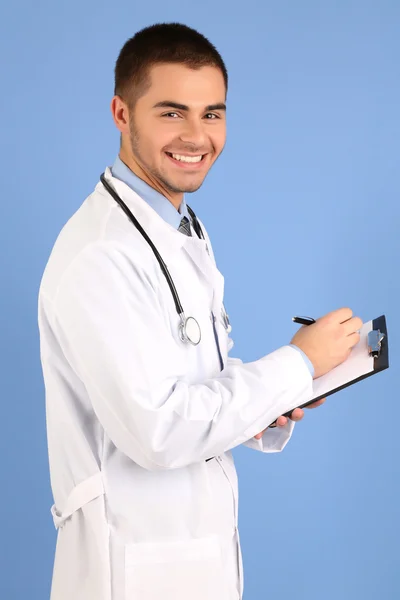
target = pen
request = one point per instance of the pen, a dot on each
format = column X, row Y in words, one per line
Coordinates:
column 303, row 320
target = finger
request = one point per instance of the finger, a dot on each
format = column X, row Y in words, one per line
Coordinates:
column 259, row 435
column 297, row 414
column 352, row 325
column 353, row 339
column 343, row 314
column 281, row 421
column 316, row 404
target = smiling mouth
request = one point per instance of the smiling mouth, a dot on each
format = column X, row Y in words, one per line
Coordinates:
column 182, row 158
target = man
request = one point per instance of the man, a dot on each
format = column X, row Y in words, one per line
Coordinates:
column 141, row 421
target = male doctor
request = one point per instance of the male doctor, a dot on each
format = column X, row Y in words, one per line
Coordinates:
column 141, row 423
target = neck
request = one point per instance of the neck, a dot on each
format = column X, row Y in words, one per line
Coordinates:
column 135, row 167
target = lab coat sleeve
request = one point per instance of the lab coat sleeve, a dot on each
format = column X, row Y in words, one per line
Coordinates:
column 273, row 440
column 111, row 325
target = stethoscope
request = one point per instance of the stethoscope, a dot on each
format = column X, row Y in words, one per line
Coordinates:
column 189, row 329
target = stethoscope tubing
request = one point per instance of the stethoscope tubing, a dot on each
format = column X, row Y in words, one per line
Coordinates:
column 158, row 256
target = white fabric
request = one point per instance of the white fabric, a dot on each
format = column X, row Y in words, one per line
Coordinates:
column 81, row 494
column 132, row 407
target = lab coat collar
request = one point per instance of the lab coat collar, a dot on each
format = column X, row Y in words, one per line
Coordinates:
column 166, row 238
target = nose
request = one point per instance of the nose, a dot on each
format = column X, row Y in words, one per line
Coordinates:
column 193, row 133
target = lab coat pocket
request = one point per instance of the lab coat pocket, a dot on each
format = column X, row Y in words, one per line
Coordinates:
column 175, row 571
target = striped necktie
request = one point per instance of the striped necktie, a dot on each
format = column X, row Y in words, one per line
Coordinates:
column 184, row 226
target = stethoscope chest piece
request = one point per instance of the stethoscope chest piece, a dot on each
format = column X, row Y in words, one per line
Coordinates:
column 189, row 330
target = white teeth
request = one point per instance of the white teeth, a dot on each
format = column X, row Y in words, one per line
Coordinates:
column 188, row 159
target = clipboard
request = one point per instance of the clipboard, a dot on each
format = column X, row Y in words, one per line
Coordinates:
column 369, row 357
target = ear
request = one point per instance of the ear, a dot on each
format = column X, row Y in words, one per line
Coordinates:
column 120, row 114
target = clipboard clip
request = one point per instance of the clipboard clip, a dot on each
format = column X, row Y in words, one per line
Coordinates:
column 375, row 338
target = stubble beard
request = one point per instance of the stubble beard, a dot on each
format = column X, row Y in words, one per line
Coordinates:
column 154, row 173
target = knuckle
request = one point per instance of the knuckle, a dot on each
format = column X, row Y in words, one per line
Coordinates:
column 331, row 317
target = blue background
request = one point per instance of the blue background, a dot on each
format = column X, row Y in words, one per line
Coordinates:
column 303, row 210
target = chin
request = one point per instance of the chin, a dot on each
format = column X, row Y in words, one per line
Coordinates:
column 187, row 188
column 193, row 188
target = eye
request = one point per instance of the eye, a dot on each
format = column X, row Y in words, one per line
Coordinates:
column 211, row 116
column 172, row 115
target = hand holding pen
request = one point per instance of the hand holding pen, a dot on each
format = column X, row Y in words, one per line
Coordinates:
column 327, row 344
column 329, row 341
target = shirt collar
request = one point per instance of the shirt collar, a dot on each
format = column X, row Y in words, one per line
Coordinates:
column 157, row 201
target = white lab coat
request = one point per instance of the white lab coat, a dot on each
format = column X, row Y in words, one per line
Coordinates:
column 133, row 413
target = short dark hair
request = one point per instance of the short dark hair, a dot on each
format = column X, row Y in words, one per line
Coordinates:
column 161, row 43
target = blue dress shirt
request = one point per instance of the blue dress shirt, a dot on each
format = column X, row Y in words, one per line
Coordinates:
column 157, row 201
column 165, row 209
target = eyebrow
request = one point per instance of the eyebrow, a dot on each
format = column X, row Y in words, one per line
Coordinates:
column 177, row 106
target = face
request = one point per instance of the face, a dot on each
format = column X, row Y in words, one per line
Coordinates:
column 177, row 129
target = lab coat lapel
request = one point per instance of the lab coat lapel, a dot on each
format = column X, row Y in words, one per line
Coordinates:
column 197, row 251
column 218, row 297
